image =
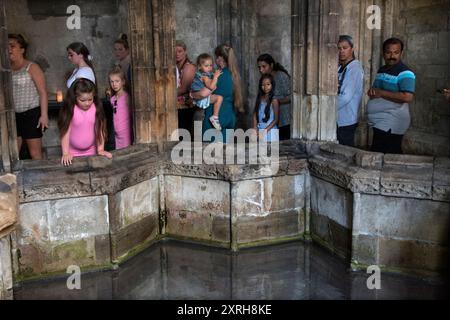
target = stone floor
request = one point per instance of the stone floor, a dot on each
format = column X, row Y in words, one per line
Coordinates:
column 174, row 270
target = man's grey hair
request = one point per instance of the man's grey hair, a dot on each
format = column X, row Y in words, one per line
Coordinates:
column 347, row 38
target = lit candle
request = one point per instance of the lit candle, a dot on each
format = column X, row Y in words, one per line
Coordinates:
column 59, row 96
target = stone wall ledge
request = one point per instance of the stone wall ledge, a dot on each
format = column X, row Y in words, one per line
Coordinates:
column 409, row 176
column 441, row 179
column 408, row 160
column 346, row 175
column 88, row 176
column 357, row 171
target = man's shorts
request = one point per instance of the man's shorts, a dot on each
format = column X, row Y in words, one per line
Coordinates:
column 26, row 123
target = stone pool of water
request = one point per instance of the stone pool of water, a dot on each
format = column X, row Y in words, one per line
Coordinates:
column 176, row 270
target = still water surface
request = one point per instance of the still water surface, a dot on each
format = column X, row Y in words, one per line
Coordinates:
column 175, row 270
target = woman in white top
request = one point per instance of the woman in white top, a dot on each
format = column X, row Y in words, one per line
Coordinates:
column 78, row 55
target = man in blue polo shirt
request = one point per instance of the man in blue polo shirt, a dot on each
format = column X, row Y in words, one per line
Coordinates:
column 390, row 95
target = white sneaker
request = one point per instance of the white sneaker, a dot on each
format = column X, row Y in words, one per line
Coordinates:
column 215, row 122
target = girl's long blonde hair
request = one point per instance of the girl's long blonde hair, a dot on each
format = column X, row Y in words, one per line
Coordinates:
column 117, row 70
column 227, row 53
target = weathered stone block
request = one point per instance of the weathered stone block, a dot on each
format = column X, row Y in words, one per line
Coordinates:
column 369, row 160
column 413, row 256
column 54, row 181
column 332, row 201
column 74, row 219
column 200, row 171
column 419, row 142
column 275, row 226
column 423, row 40
column 57, row 233
column 331, row 235
column 332, row 216
column 268, row 209
column 297, row 166
column 339, row 151
column 364, row 250
column 345, row 175
column 124, row 173
column 407, row 181
column 135, row 203
column 247, row 172
column 134, row 237
column 8, row 202
column 427, row 20
column 259, row 197
column 36, row 260
column 441, row 179
column 6, row 275
column 393, row 160
column 444, row 40
column 198, row 209
column 320, row 227
column 404, row 218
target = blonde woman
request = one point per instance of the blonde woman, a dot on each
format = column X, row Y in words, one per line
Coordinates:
column 229, row 87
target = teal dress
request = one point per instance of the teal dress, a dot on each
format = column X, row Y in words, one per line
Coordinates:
column 227, row 116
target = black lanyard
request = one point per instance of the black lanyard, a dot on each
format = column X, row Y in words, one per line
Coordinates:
column 343, row 70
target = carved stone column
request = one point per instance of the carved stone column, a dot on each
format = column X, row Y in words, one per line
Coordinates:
column 152, row 30
column 236, row 26
column 8, row 134
column 314, row 36
column 223, row 8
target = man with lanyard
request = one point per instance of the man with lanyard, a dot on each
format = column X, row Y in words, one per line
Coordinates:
column 390, row 95
column 350, row 92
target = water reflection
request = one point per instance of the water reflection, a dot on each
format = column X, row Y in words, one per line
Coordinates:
column 174, row 270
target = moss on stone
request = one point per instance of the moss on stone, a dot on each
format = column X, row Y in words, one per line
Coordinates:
column 77, row 250
column 267, row 242
column 329, row 246
column 31, row 276
column 194, row 240
column 136, row 250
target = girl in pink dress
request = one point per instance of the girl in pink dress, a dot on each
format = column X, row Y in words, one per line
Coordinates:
column 121, row 108
column 82, row 123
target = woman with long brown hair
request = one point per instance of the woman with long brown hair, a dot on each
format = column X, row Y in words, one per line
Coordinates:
column 229, row 86
column 78, row 54
column 268, row 65
column 82, row 123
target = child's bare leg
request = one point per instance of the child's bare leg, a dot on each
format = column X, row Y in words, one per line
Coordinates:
column 217, row 101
